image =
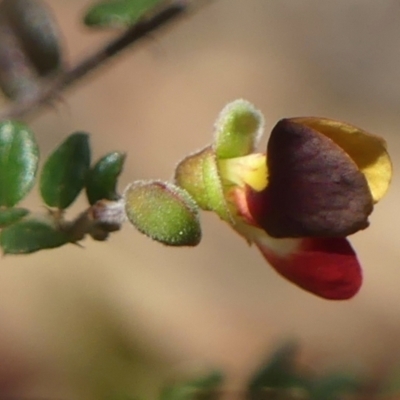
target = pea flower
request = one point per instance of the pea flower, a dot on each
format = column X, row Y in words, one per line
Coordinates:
column 316, row 184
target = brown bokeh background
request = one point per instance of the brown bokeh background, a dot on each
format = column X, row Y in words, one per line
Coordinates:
column 68, row 315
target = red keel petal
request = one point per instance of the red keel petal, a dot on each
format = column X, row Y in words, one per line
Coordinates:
column 327, row 267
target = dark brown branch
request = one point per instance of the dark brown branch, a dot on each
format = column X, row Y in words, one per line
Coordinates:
column 51, row 90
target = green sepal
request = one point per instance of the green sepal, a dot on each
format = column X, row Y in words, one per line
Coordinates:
column 30, row 235
column 64, row 172
column 198, row 174
column 103, row 177
column 19, row 157
column 118, row 13
column 9, row 216
column 164, row 212
column 237, row 130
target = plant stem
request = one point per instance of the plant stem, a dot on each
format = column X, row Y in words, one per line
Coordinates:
column 51, row 90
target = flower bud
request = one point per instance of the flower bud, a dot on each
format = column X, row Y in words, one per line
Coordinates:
column 237, row 130
column 164, row 212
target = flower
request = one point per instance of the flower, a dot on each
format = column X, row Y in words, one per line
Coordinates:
column 316, row 184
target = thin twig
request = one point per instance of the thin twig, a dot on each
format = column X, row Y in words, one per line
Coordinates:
column 51, row 90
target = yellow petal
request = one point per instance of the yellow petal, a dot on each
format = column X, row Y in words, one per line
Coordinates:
column 367, row 151
column 249, row 170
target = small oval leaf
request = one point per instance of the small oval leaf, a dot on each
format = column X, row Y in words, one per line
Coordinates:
column 164, row 212
column 28, row 236
column 18, row 80
column 33, row 24
column 102, row 178
column 19, row 156
column 118, row 13
column 9, row 216
column 29, row 47
column 64, row 172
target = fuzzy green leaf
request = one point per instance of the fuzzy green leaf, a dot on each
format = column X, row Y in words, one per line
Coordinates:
column 118, row 13
column 102, row 178
column 28, row 236
column 19, row 156
column 9, row 216
column 164, row 212
column 64, row 172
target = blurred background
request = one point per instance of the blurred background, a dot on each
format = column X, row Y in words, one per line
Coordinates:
column 69, row 315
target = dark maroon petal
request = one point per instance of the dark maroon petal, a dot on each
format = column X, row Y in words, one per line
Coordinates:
column 314, row 188
column 327, row 267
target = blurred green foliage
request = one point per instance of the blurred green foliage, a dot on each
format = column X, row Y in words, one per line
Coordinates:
column 118, row 13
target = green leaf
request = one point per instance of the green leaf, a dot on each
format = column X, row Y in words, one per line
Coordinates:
column 334, row 386
column 64, row 172
column 164, row 212
column 32, row 22
column 391, row 382
column 9, row 216
column 102, row 178
column 278, row 371
column 118, row 13
column 28, row 236
column 29, row 47
column 19, row 156
column 200, row 388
